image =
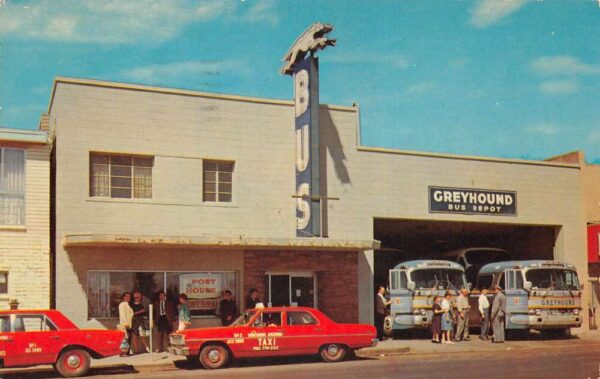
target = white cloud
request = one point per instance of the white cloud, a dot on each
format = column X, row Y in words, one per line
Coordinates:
column 559, row 87
column 394, row 60
column 118, row 21
column 163, row 72
column 489, row 12
column 262, row 11
column 544, row 128
column 594, row 137
column 421, row 88
column 563, row 65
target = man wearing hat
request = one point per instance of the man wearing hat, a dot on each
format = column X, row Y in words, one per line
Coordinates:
column 498, row 312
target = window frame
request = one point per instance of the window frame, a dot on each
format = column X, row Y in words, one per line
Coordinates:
column 24, row 193
column 5, row 285
column 164, row 284
column 217, row 182
column 92, row 190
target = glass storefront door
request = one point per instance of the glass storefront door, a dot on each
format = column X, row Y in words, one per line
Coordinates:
column 295, row 289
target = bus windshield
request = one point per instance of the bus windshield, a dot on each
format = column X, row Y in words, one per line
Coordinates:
column 440, row 278
column 558, row 279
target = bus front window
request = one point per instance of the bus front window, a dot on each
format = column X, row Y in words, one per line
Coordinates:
column 553, row 279
column 439, row 278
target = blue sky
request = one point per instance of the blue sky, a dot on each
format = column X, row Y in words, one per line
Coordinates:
column 501, row 78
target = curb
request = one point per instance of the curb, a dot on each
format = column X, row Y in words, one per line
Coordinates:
column 375, row 352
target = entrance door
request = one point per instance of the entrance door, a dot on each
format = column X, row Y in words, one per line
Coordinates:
column 295, row 289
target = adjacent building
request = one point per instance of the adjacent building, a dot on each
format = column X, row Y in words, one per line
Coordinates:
column 185, row 191
column 24, row 219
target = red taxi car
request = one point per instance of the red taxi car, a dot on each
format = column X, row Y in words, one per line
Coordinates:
column 270, row 332
column 35, row 337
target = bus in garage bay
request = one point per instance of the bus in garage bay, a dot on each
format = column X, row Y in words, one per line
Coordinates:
column 540, row 295
column 413, row 285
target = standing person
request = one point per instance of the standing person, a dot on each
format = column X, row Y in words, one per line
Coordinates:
column 164, row 315
column 498, row 312
column 228, row 309
column 139, row 323
column 463, row 307
column 436, row 322
column 184, row 312
column 380, row 304
column 484, row 311
column 252, row 299
column 447, row 325
column 125, row 317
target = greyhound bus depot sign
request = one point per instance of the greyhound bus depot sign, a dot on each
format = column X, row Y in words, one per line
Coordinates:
column 472, row 201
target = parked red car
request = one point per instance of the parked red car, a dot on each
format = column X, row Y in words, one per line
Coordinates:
column 35, row 337
column 272, row 332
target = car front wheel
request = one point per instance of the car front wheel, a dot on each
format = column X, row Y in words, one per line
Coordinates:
column 333, row 352
column 214, row 356
column 73, row 362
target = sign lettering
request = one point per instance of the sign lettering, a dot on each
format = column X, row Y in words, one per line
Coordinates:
column 472, row 201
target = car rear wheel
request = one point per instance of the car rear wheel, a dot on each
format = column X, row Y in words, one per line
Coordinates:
column 73, row 362
column 333, row 352
column 214, row 356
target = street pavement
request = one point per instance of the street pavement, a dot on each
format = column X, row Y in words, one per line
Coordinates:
column 576, row 356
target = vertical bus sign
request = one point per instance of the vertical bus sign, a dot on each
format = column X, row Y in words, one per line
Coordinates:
column 306, row 99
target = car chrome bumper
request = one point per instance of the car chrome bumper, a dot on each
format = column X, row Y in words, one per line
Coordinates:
column 179, row 350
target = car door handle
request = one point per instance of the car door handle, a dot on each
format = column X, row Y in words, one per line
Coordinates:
column 54, row 337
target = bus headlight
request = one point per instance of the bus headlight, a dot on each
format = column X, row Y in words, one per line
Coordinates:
column 538, row 312
column 576, row 312
column 423, row 312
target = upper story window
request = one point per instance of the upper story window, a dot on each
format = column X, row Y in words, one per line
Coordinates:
column 12, row 186
column 121, row 176
column 218, row 181
column 3, row 282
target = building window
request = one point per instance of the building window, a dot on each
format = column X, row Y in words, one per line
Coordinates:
column 3, row 282
column 204, row 289
column 12, row 186
column 218, row 181
column 121, row 176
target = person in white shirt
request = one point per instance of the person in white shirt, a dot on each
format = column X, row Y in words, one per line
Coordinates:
column 484, row 311
column 125, row 316
column 447, row 325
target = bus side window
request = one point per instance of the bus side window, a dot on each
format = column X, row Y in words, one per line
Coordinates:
column 399, row 280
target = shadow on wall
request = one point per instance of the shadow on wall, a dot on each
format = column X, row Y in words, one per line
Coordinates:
column 330, row 140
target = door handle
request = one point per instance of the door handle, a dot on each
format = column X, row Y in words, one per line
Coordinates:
column 54, row 337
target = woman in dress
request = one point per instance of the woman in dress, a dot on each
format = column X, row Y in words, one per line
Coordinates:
column 446, row 318
column 436, row 322
column 138, row 325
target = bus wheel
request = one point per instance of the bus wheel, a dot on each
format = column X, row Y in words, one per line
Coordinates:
column 388, row 324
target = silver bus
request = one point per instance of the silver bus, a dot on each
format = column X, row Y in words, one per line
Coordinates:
column 413, row 285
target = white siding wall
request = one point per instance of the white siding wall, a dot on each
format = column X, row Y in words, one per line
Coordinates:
column 25, row 252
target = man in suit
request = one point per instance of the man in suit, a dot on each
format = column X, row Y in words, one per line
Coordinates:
column 227, row 308
column 380, row 306
column 498, row 314
column 463, row 307
column 164, row 315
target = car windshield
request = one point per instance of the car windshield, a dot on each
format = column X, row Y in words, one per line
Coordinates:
column 439, row 278
column 480, row 257
column 553, row 279
column 244, row 318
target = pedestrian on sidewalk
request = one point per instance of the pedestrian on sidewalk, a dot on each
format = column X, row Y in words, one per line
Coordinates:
column 436, row 322
column 184, row 313
column 227, row 309
column 380, row 305
column 252, row 299
column 125, row 318
column 498, row 312
column 484, row 311
column 139, row 324
column 463, row 307
column 447, row 325
column 164, row 314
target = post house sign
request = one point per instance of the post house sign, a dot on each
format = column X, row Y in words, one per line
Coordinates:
column 472, row 201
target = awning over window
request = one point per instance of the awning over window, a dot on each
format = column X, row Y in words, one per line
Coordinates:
column 239, row 242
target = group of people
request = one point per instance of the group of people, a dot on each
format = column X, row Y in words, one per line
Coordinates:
column 445, row 318
column 449, row 325
column 133, row 319
column 134, row 315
